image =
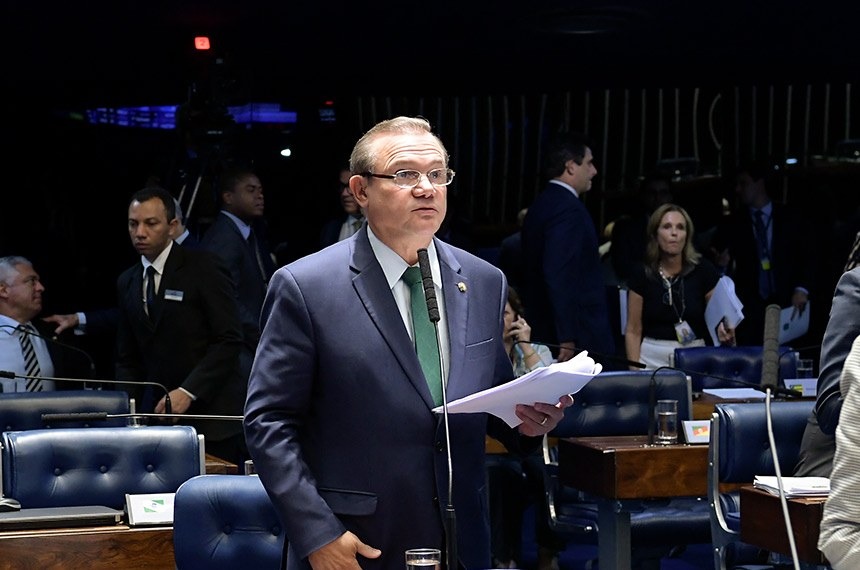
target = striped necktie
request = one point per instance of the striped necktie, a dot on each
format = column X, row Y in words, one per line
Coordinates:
column 426, row 344
column 31, row 363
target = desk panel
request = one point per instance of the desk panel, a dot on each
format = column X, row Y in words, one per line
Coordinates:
column 97, row 548
column 763, row 525
column 626, row 467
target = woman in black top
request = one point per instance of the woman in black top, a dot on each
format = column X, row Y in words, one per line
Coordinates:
column 668, row 294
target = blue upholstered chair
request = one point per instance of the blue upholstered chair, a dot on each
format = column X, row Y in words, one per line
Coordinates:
column 738, row 451
column 719, row 366
column 67, row 467
column 226, row 522
column 613, row 404
column 23, row 410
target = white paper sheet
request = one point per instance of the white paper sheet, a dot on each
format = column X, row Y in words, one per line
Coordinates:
column 793, row 323
column 546, row 384
column 724, row 304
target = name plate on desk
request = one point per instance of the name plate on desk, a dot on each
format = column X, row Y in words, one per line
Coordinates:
column 626, row 467
column 149, row 509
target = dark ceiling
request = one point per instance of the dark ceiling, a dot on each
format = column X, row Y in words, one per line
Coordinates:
column 104, row 52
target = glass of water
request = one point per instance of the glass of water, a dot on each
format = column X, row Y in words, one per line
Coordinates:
column 423, row 559
column 667, row 422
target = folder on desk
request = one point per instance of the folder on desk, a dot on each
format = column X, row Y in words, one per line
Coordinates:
column 60, row 517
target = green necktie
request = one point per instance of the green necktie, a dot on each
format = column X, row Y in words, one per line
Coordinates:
column 425, row 334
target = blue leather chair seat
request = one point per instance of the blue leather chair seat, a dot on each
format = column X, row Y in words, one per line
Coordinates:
column 730, row 366
column 226, row 522
column 69, row 467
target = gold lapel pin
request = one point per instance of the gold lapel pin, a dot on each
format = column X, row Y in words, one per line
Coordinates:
column 461, row 286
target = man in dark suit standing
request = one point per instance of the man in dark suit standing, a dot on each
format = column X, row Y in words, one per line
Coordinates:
column 339, row 416
column 768, row 251
column 564, row 289
column 237, row 236
column 179, row 325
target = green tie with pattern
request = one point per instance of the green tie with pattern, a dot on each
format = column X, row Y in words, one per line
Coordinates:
column 425, row 334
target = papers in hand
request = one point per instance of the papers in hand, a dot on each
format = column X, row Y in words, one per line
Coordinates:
column 546, row 384
column 794, row 486
column 793, row 323
column 724, row 305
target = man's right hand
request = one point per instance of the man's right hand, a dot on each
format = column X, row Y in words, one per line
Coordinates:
column 341, row 553
column 63, row 322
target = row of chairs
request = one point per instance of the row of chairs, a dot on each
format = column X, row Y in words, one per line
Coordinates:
column 616, row 403
column 221, row 519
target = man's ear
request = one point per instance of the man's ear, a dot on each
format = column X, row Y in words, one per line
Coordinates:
column 358, row 187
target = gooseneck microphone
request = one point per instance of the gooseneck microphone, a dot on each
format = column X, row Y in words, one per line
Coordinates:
column 770, row 350
column 102, row 416
column 167, row 406
column 433, row 313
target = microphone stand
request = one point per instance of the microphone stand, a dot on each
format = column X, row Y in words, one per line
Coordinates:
column 168, row 408
column 102, row 416
column 450, row 520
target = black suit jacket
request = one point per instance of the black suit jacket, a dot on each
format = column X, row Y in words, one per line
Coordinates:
column 193, row 343
column 791, row 261
column 564, row 292
column 224, row 239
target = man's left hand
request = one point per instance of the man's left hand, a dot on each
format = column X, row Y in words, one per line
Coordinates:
column 542, row 418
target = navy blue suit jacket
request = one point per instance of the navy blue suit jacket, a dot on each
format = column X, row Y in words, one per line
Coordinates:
column 563, row 290
column 338, row 417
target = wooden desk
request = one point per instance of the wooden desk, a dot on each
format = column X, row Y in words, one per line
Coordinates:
column 220, row 466
column 762, row 523
column 95, row 548
column 620, row 468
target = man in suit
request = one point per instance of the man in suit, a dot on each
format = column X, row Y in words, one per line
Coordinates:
column 563, row 287
column 819, row 443
column 184, row 332
column 238, row 237
column 27, row 346
column 349, row 222
column 339, row 416
column 768, row 250
column 103, row 321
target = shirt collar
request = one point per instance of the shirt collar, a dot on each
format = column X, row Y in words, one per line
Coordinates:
column 565, row 185
column 393, row 265
column 159, row 261
column 244, row 228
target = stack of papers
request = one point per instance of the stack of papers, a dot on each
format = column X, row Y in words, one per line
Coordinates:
column 546, row 384
column 793, row 323
column 724, row 306
column 794, row 486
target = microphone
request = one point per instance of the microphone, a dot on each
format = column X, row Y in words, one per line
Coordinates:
column 167, row 405
column 102, row 416
column 770, row 350
column 433, row 313
column 54, row 340
column 609, row 357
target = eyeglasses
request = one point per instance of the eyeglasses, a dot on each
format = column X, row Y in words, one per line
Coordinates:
column 408, row 179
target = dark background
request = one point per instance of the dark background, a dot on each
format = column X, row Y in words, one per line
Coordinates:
column 495, row 79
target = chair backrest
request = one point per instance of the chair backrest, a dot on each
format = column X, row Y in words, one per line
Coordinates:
column 618, row 403
column 730, row 366
column 68, row 467
column 740, row 449
column 23, row 410
column 225, row 522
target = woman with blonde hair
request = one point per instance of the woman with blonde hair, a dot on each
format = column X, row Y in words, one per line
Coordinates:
column 668, row 293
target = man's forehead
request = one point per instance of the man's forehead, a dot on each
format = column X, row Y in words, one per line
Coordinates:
column 405, row 148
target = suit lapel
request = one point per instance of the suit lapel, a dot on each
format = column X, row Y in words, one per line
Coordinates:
column 457, row 314
column 372, row 289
